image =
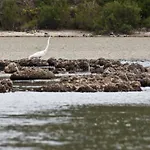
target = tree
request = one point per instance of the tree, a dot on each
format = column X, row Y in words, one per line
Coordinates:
column 54, row 16
column 10, row 15
column 85, row 15
column 119, row 17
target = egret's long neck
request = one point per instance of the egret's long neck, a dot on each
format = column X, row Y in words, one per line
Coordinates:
column 47, row 45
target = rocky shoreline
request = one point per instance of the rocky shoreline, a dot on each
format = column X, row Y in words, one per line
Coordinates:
column 82, row 75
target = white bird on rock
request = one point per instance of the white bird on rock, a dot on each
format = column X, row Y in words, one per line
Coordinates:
column 40, row 53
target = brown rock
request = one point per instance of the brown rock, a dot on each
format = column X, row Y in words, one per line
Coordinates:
column 136, row 86
column 84, row 65
column 5, row 86
column 111, row 87
column 85, row 88
column 32, row 73
column 3, row 63
column 97, row 69
column 33, row 62
column 52, row 61
column 56, row 87
column 145, row 82
column 11, row 68
column 136, row 68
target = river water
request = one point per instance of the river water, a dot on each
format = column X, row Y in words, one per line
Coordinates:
column 76, row 121
column 74, row 48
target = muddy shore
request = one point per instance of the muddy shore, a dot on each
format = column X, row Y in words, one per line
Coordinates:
column 66, row 33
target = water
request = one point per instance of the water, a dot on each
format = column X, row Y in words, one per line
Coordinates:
column 74, row 48
column 78, row 121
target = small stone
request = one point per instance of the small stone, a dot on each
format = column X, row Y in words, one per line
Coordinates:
column 11, row 68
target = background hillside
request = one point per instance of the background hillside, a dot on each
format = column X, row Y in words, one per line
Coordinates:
column 100, row 16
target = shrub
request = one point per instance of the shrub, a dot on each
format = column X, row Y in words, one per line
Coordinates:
column 11, row 18
column 54, row 16
column 146, row 23
column 119, row 17
column 85, row 15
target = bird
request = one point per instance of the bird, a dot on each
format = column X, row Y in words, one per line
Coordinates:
column 40, row 53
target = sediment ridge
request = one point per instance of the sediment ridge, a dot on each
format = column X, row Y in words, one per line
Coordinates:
column 63, row 75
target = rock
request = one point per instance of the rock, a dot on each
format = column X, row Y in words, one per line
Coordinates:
column 11, row 68
column 122, row 86
column 85, row 88
column 32, row 73
column 110, row 87
column 116, row 63
column 56, row 87
column 33, row 62
column 59, row 70
column 71, row 66
column 145, row 82
column 52, row 61
column 148, row 69
column 131, row 76
column 6, row 85
column 122, row 75
column 3, row 63
column 84, row 66
column 136, row 86
column 101, row 61
column 97, row 69
column 136, row 68
column 108, row 71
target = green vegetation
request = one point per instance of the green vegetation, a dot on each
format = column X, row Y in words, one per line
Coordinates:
column 100, row 16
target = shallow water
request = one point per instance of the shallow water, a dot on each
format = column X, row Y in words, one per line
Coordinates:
column 74, row 48
column 60, row 121
column 76, row 121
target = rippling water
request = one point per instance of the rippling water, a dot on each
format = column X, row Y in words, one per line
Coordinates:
column 60, row 121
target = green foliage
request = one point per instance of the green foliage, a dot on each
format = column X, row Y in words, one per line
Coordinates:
column 85, row 15
column 100, row 16
column 146, row 22
column 10, row 19
column 54, row 16
column 145, row 6
column 119, row 17
column 29, row 25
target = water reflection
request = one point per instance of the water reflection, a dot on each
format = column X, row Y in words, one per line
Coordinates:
column 77, row 128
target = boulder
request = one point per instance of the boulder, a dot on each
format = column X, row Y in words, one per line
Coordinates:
column 148, row 69
column 101, row 61
column 136, row 68
column 3, row 63
column 32, row 73
column 6, row 85
column 33, row 62
column 145, row 82
column 52, row 61
column 85, row 88
column 110, row 87
column 97, row 69
column 55, row 87
column 122, row 86
column 136, row 86
column 84, row 65
column 11, row 68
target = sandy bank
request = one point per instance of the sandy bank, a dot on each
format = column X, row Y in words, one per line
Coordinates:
column 43, row 33
column 64, row 33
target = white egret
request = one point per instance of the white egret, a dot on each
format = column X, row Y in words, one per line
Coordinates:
column 40, row 53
